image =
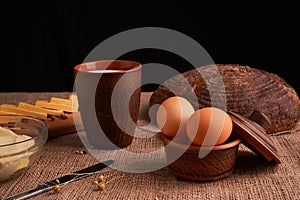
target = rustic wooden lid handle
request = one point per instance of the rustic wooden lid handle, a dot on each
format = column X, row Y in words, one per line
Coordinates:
column 260, row 119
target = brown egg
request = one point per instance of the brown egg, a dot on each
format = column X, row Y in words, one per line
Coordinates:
column 209, row 126
column 172, row 116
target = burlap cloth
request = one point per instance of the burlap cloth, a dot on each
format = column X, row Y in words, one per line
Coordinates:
column 253, row 178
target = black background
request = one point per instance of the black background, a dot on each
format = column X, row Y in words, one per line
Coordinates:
column 43, row 40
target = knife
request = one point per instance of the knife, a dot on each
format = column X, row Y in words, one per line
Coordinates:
column 61, row 181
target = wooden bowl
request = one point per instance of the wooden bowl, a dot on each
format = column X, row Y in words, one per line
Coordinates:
column 217, row 164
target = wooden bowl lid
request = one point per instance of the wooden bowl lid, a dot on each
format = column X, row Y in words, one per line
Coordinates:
column 254, row 137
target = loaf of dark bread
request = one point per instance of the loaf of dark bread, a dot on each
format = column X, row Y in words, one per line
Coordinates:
column 243, row 89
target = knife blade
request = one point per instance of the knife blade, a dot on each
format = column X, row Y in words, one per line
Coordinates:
column 74, row 176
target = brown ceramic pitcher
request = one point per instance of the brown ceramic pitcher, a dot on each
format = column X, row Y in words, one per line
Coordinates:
column 109, row 90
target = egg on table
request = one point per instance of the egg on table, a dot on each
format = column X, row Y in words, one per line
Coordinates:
column 209, row 126
column 172, row 116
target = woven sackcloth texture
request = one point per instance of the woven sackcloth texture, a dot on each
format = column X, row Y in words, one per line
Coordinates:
column 253, row 177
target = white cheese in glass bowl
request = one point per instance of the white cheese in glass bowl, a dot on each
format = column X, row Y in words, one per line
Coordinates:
column 14, row 156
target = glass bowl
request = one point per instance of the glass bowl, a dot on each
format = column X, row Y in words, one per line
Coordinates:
column 21, row 140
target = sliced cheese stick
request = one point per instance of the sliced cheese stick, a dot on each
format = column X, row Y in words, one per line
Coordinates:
column 2, row 112
column 15, row 109
column 61, row 101
column 73, row 98
column 28, row 106
column 51, row 105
